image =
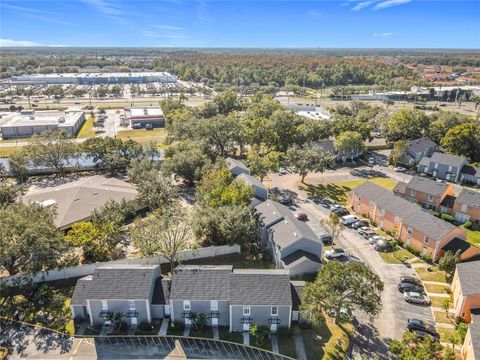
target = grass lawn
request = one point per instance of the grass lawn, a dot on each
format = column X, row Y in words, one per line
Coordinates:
column 439, row 289
column 286, row 346
column 441, row 317
column 338, row 191
column 446, row 334
column 9, row 150
column 143, row 136
column 433, row 275
column 473, row 237
column 333, row 344
column 87, row 129
column 437, row 301
column 396, row 257
column 15, row 140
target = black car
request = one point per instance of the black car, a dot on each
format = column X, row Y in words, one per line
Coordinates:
column 407, row 287
column 423, row 334
column 420, row 325
column 410, row 280
column 359, row 224
column 340, row 211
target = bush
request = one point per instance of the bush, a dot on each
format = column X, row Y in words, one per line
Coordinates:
column 468, row 225
column 145, row 326
column 412, row 250
column 284, row 332
column 394, row 243
column 448, row 218
column 462, row 329
column 427, row 259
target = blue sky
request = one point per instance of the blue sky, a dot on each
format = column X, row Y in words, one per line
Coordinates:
column 228, row 23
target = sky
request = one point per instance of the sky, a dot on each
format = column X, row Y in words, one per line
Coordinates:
column 230, row 23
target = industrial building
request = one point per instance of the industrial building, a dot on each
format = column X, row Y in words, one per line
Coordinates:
column 141, row 117
column 28, row 123
column 95, row 78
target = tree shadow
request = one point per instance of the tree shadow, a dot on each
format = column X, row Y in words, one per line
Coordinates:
column 336, row 193
column 368, row 343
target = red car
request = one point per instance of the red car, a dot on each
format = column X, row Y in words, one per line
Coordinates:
column 301, row 216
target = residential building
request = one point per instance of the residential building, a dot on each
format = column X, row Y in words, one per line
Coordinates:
column 236, row 167
column 442, row 166
column 139, row 117
column 260, row 191
column 234, row 298
column 466, row 289
column 467, row 206
column 28, row 123
column 293, row 244
column 429, row 193
column 470, row 175
column 471, row 345
column 75, row 201
column 328, row 145
column 417, row 149
column 411, row 224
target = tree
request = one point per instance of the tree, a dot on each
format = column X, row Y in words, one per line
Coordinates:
column 349, row 144
column 163, row 234
column 399, row 150
column 227, row 102
column 29, row 240
column 19, row 165
column 51, row 149
column 333, row 226
column 342, row 286
column 463, row 140
column 445, row 304
column 448, row 262
column 261, row 162
column 406, row 125
column 411, row 347
column 9, row 193
column 260, row 333
column 444, row 121
column 155, row 190
column 187, row 160
column 220, row 133
column 303, row 160
column 313, row 130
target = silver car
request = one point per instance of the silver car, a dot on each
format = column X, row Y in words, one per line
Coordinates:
column 416, row 298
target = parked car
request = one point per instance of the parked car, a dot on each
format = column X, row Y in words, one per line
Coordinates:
column 410, row 280
column 137, row 126
column 400, row 169
column 420, row 325
column 334, row 253
column 349, row 219
column 407, row 287
column 360, row 223
column 424, row 334
column 372, row 240
column 282, row 171
column 149, row 126
column 344, row 314
column 326, row 239
column 301, row 216
column 285, row 200
column 339, row 210
column 367, row 234
column 371, row 161
column 416, row 298
column 362, row 229
column 383, row 245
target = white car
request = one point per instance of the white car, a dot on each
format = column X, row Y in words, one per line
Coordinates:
column 349, row 219
column 400, row 169
column 334, row 253
column 372, row 240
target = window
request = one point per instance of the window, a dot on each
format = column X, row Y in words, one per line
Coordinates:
column 131, row 304
column 274, row 311
column 382, row 212
column 371, row 203
column 413, row 192
column 425, row 239
column 464, row 208
column 186, row 305
column 246, row 311
column 104, row 305
column 409, row 231
column 397, row 220
column 435, row 165
column 430, row 198
column 214, row 305
column 449, row 169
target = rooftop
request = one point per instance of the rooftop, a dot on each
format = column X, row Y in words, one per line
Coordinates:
column 420, row 145
column 468, row 277
column 95, row 74
column 412, row 215
column 145, row 111
column 234, row 163
column 75, row 201
column 474, row 327
column 39, row 118
column 426, row 185
column 447, row 159
column 469, row 197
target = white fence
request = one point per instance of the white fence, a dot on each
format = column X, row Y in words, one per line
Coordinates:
column 83, row 270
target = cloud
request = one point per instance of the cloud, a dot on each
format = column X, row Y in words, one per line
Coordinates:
column 383, row 35
column 390, row 3
column 24, row 43
column 315, row 12
column 362, row 5
column 28, row 10
column 108, row 10
column 169, row 27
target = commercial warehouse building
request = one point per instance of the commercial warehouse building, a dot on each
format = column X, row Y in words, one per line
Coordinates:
column 95, row 78
column 28, row 123
column 139, row 117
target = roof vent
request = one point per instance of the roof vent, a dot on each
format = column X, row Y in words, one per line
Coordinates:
column 47, row 203
column 61, row 120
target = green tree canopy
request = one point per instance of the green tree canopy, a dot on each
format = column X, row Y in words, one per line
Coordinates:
column 463, row 140
column 349, row 144
column 304, row 160
column 406, row 125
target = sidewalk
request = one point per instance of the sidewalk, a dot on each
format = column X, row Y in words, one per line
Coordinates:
column 299, row 346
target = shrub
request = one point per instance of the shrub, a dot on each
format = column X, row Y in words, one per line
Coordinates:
column 284, row 332
column 427, row 259
column 462, row 329
column 412, row 250
column 145, row 326
column 468, row 225
column 448, row 218
column 394, row 243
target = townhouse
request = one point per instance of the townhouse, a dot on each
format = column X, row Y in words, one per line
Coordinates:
column 293, row 244
column 417, row 149
column 233, row 298
column 236, row 167
column 411, row 224
column 467, row 206
column 429, row 193
column 471, row 344
column 328, row 145
column 442, row 166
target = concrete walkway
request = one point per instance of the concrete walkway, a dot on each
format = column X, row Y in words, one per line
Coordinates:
column 420, row 265
column 186, row 331
column 246, row 338
column 436, row 283
column 216, row 335
column 434, row 308
column 164, row 327
column 274, row 343
column 446, row 326
column 299, row 346
column 438, row 295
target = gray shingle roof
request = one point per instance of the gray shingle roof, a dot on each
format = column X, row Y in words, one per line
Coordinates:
column 300, row 256
column 260, row 287
column 234, row 163
column 125, row 282
column 474, row 327
column 425, row 161
column 297, row 289
column 448, row 160
column 420, row 145
column 468, row 275
column 471, row 170
column 469, row 197
column 412, row 215
column 252, row 181
column 201, row 283
column 426, row 185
